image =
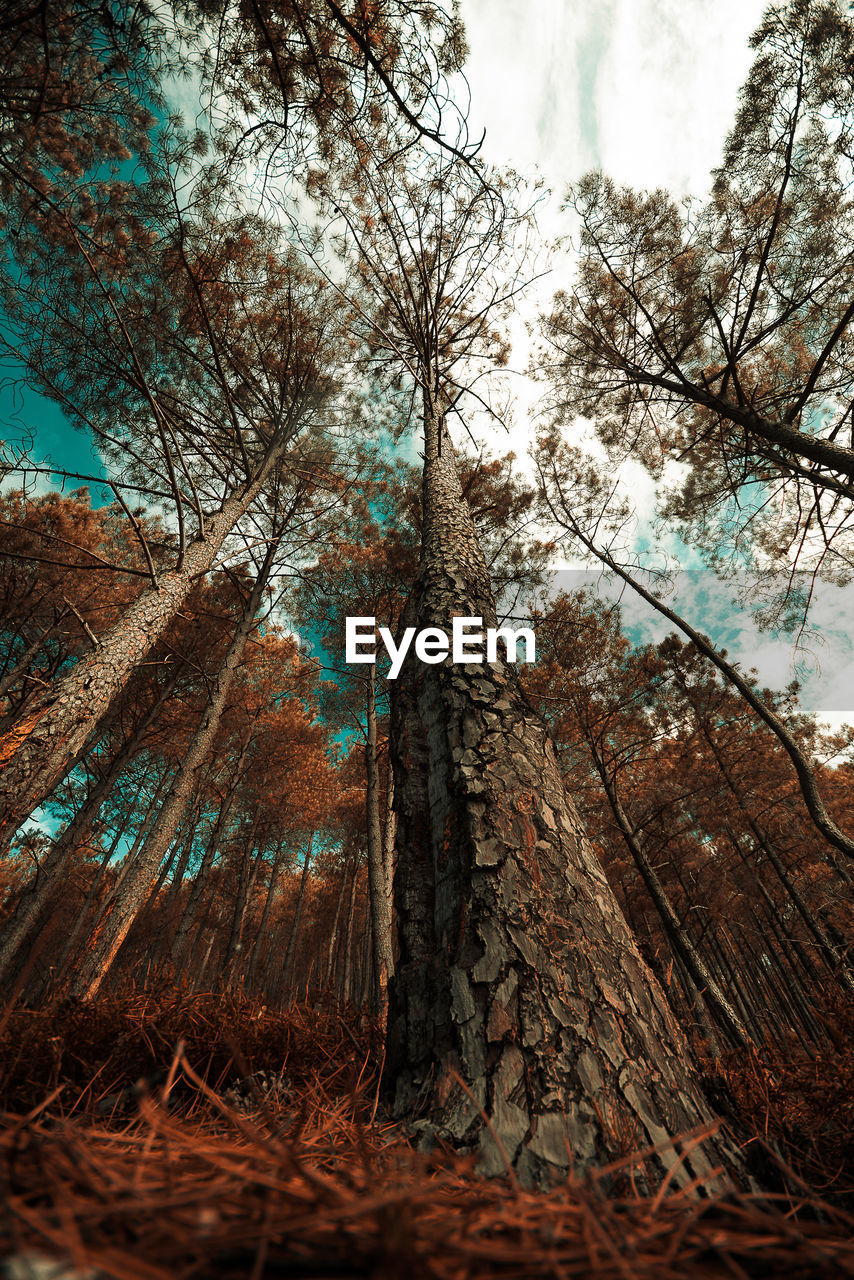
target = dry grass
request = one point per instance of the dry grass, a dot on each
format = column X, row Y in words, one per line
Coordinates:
column 297, row 1175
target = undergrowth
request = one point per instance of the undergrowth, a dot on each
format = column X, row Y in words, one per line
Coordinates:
column 162, row 1135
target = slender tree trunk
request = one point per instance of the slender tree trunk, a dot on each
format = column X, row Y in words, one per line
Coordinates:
column 111, row 931
column 520, row 993
column 333, row 935
column 268, row 902
column 698, row 1006
column 188, row 916
column 834, row 959
column 24, row 662
column 35, row 751
column 347, row 968
column 245, row 885
column 290, row 953
column 58, row 970
column 81, row 825
column 177, row 880
column 389, row 840
column 367, row 994
column 721, row 1009
column 165, row 868
column 380, row 913
column 32, row 903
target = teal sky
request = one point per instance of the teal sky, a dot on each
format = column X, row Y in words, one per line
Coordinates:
column 645, row 89
column 24, row 412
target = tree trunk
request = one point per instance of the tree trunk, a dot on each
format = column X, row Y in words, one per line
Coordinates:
column 520, row 994
column 347, row 968
column 35, row 751
column 188, row 916
column 290, row 954
column 333, row 933
column 380, row 914
column 31, row 904
column 389, row 840
column 834, row 958
column 25, row 661
column 722, row 1011
column 113, row 927
column 58, row 971
column 245, row 886
column 268, row 902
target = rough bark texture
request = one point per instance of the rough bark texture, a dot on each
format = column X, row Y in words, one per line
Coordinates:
column 35, row 751
column 380, row 907
column 519, row 994
column 114, row 925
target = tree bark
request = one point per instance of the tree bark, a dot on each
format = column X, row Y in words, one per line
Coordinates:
column 834, row 958
column 520, row 995
column 380, row 913
column 333, row 933
column 188, row 916
column 245, row 886
column 113, row 927
column 35, row 751
column 268, row 902
column 389, row 840
column 347, row 967
column 290, row 954
column 723, row 1012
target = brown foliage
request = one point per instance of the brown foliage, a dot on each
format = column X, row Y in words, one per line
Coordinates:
column 803, row 1104
column 307, row 1179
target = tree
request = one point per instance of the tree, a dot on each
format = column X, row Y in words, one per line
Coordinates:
column 165, row 273
column 230, row 360
column 608, row 698
column 519, row 993
column 719, row 336
column 366, row 575
column 579, row 499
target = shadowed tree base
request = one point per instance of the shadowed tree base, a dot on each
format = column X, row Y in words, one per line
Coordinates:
column 520, row 992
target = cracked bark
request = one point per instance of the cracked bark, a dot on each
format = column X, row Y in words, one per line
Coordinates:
column 518, row 975
column 109, row 934
column 35, row 751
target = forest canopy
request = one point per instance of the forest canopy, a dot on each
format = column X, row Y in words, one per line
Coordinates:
column 260, row 259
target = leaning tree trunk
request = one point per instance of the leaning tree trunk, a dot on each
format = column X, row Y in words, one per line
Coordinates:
column 32, row 903
column 680, row 942
column 35, row 751
column 114, row 924
column 520, row 998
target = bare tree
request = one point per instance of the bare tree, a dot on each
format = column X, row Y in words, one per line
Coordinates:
column 520, row 995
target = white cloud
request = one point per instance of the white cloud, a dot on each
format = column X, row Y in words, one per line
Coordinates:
column 667, row 86
column 646, row 89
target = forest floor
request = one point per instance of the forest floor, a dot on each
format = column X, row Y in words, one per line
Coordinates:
column 159, row 1136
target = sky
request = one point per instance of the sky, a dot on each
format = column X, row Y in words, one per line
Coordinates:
column 645, row 90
